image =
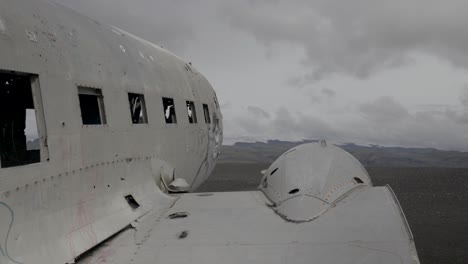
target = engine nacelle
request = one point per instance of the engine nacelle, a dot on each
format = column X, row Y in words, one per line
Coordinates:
column 307, row 180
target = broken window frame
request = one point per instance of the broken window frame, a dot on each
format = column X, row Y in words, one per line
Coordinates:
column 96, row 92
column 143, row 116
column 206, row 112
column 39, row 116
column 192, row 119
column 172, row 119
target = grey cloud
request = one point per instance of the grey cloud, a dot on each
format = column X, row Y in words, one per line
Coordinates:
column 171, row 24
column 464, row 96
column 383, row 110
column 358, row 37
column 257, row 112
column 250, row 126
column 383, row 121
column 226, row 105
column 286, row 125
column 317, row 97
column 461, row 116
column 314, row 99
column 252, row 122
column 329, row 92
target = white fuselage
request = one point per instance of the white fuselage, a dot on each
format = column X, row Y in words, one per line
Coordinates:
column 76, row 190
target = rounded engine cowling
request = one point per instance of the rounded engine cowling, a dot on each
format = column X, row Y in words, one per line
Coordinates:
column 308, row 179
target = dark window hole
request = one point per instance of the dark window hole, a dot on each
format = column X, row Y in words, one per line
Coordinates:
column 358, row 180
column 206, row 112
column 132, row 202
column 19, row 137
column 92, row 106
column 293, row 191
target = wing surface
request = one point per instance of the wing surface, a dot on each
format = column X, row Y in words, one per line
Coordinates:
column 366, row 226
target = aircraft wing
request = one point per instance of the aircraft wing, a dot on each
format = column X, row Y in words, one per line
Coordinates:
column 367, row 226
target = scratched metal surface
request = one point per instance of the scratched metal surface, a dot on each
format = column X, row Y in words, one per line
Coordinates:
column 53, row 211
column 238, row 227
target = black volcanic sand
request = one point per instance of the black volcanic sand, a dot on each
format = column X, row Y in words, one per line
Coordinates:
column 434, row 201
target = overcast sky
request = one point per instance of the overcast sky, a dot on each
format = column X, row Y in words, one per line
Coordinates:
column 393, row 72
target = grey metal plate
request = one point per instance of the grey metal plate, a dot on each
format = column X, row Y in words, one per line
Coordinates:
column 238, row 227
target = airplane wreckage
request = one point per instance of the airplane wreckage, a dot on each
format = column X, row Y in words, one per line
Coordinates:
column 103, row 135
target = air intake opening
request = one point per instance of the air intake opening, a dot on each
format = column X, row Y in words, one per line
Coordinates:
column 273, row 172
column 293, row 191
column 178, row 215
column 132, row 202
column 358, row 180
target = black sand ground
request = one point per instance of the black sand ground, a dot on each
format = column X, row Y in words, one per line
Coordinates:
column 434, row 200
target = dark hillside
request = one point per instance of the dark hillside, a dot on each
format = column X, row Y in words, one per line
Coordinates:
column 370, row 156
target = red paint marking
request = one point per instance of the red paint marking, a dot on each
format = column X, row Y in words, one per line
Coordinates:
column 71, row 245
column 84, row 226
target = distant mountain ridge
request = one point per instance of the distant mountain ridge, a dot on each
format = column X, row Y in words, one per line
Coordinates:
column 369, row 156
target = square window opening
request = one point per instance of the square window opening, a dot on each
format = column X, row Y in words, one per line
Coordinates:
column 137, row 108
column 206, row 111
column 92, row 106
column 20, row 142
column 169, row 110
column 191, row 112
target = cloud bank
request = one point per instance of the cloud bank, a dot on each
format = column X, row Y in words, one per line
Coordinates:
column 358, row 37
column 382, row 122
